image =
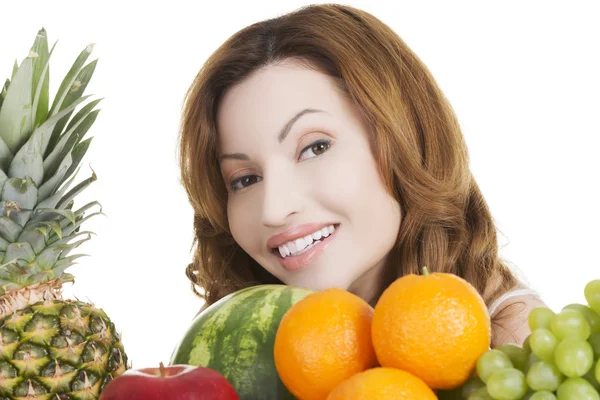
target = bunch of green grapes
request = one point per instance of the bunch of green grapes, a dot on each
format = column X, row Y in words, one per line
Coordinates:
column 558, row 361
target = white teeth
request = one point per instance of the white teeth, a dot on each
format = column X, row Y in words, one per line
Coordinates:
column 300, row 245
column 282, row 251
column 291, row 246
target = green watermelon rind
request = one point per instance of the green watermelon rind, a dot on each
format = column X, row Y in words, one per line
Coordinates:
column 235, row 336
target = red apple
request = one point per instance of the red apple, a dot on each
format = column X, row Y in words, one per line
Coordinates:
column 176, row 382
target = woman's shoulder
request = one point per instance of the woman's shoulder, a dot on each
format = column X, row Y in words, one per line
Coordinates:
column 510, row 313
column 520, row 293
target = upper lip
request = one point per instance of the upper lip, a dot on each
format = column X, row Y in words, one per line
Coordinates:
column 296, row 232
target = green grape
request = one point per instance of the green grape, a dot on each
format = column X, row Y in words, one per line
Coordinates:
column 594, row 340
column 570, row 323
column 574, row 357
column 528, row 395
column 540, row 317
column 490, row 362
column 526, row 345
column 544, row 375
column 590, row 376
column 543, row 342
column 480, row 394
column 543, row 395
column 507, row 384
column 470, row 386
column 597, row 371
column 517, row 355
column 532, row 360
column 593, row 318
column 592, row 294
column 576, row 389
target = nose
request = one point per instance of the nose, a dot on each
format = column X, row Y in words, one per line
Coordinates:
column 282, row 196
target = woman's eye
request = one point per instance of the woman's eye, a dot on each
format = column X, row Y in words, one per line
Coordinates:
column 243, row 182
column 316, row 148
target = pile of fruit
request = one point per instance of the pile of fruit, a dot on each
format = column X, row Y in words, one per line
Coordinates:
column 428, row 337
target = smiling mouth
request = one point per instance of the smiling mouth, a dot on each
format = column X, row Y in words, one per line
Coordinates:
column 314, row 242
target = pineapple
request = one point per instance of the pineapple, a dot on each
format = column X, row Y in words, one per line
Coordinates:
column 50, row 347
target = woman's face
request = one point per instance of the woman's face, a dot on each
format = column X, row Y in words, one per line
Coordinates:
column 296, row 161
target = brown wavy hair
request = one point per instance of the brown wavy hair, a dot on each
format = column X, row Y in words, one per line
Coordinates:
column 416, row 140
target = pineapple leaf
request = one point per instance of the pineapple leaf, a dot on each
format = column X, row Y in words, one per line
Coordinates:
column 39, row 139
column 55, row 226
column 76, row 190
column 66, row 277
column 52, row 184
column 3, row 91
column 3, row 245
column 68, row 214
column 83, row 112
column 41, row 78
column 34, row 236
column 69, row 79
column 15, row 115
column 67, row 239
column 67, row 198
column 79, row 219
column 3, row 178
column 67, row 249
column 72, row 228
column 6, row 155
column 27, row 163
column 70, row 90
column 22, row 250
column 90, row 117
column 76, row 155
column 9, row 229
column 24, row 194
column 64, row 263
column 47, row 258
column 86, row 207
column 14, row 71
column 53, row 200
column 76, row 91
column 64, row 146
column 14, row 272
column 7, row 286
column 68, row 142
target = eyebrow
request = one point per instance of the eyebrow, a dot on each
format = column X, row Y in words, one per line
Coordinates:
column 281, row 137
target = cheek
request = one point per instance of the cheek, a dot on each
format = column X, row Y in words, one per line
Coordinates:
column 240, row 223
column 350, row 181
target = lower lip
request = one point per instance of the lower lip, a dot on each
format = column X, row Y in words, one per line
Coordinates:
column 293, row 263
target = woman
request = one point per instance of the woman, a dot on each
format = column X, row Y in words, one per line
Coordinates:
column 322, row 125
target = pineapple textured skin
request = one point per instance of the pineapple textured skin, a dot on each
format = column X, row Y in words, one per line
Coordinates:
column 58, row 349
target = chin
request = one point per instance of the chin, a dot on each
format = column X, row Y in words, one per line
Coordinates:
column 315, row 281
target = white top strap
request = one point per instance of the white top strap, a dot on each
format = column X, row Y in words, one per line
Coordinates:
column 509, row 294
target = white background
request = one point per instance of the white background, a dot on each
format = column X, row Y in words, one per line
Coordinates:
column 523, row 77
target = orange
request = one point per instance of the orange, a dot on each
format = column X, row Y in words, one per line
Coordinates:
column 324, row 339
column 382, row 383
column 434, row 326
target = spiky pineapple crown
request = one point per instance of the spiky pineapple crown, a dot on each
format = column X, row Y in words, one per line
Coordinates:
column 39, row 160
